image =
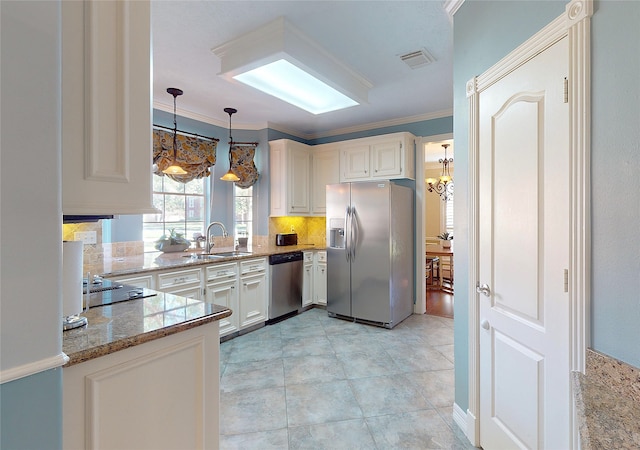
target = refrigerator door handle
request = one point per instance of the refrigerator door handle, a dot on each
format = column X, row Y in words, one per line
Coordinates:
column 347, row 217
column 354, row 233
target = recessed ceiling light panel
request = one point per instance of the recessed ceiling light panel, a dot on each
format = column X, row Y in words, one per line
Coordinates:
column 288, row 82
column 282, row 61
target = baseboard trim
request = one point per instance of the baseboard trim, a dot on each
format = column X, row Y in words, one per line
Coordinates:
column 460, row 418
column 33, row 368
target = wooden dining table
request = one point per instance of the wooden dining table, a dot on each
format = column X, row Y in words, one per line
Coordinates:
column 440, row 251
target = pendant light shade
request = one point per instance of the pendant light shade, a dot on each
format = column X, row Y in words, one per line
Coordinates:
column 174, row 168
column 230, row 176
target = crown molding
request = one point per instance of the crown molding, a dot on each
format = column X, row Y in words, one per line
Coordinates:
column 451, row 6
column 384, row 124
column 207, row 119
column 309, row 136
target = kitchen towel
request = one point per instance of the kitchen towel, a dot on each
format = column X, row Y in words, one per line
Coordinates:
column 71, row 278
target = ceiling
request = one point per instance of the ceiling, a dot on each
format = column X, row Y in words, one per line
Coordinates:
column 368, row 36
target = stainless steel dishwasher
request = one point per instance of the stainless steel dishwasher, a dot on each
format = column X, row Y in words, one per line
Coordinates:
column 286, row 285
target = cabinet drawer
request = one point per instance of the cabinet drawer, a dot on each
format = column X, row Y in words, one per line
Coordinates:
column 253, row 266
column 178, row 278
column 143, row 281
column 308, row 257
column 222, row 271
column 322, row 257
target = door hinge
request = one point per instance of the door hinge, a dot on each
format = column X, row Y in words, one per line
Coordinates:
column 566, row 90
column 566, row 280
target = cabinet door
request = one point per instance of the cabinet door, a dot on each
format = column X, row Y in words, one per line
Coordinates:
column 118, row 400
column 106, row 108
column 307, row 285
column 298, row 171
column 225, row 293
column 326, row 170
column 253, row 300
column 320, row 283
column 355, row 162
column 387, row 159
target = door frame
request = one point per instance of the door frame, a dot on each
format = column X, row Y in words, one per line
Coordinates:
column 576, row 24
column 420, row 307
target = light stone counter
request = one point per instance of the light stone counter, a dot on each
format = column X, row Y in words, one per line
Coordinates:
column 607, row 400
column 130, row 265
column 126, row 324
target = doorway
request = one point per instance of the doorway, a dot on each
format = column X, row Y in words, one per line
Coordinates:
column 573, row 280
column 430, row 222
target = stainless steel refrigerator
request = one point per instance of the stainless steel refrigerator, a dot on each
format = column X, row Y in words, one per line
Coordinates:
column 370, row 252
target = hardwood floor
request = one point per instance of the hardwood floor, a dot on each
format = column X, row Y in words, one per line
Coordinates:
column 439, row 303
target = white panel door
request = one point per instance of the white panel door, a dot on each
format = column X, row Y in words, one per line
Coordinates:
column 524, row 253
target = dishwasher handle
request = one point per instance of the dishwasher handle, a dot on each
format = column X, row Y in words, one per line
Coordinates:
column 284, row 258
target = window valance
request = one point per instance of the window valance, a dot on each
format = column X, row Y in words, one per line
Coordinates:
column 243, row 166
column 194, row 154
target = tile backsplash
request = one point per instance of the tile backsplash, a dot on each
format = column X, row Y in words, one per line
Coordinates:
column 310, row 230
column 98, row 252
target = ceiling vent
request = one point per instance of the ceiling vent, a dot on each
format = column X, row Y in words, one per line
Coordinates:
column 417, row 59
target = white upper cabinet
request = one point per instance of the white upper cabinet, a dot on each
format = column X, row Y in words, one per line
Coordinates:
column 355, row 162
column 325, row 170
column 106, row 107
column 300, row 173
column 290, row 169
column 389, row 156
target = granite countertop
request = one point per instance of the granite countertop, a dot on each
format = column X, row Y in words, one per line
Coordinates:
column 607, row 403
column 606, row 419
column 126, row 324
column 153, row 261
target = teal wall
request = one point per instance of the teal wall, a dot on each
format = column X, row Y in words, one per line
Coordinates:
column 31, row 412
column 615, row 171
column 486, row 31
column 129, row 228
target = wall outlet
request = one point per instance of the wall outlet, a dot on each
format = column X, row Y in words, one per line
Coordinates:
column 88, row 237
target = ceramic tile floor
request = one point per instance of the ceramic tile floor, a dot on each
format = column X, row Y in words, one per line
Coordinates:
column 314, row 382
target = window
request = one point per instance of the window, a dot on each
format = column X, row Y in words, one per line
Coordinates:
column 446, row 214
column 242, row 211
column 182, row 207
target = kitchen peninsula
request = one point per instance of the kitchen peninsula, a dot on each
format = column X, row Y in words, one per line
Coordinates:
column 144, row 373
column 238, row 280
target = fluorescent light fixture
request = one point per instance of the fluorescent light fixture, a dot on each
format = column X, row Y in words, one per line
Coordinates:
column 283, row 62
column 293, row 85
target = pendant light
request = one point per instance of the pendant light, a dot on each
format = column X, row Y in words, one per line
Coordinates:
column 230, row 176
column 174, row 168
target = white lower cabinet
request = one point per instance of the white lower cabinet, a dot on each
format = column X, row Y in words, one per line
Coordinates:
column 320, row 278
column 141, row 281
column 307, row 279
column 222, row 289
column 254, row 294
column 187, row 283
column 162, row 394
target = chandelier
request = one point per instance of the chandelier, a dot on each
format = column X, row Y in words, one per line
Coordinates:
column 442, row 186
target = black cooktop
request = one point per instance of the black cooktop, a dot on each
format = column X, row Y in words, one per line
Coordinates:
column 106, row 292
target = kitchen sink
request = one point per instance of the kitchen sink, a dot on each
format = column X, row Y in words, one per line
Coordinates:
column 232, row 253
column 217, row 255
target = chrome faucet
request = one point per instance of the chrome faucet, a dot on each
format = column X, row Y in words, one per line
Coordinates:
column 208, row 243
